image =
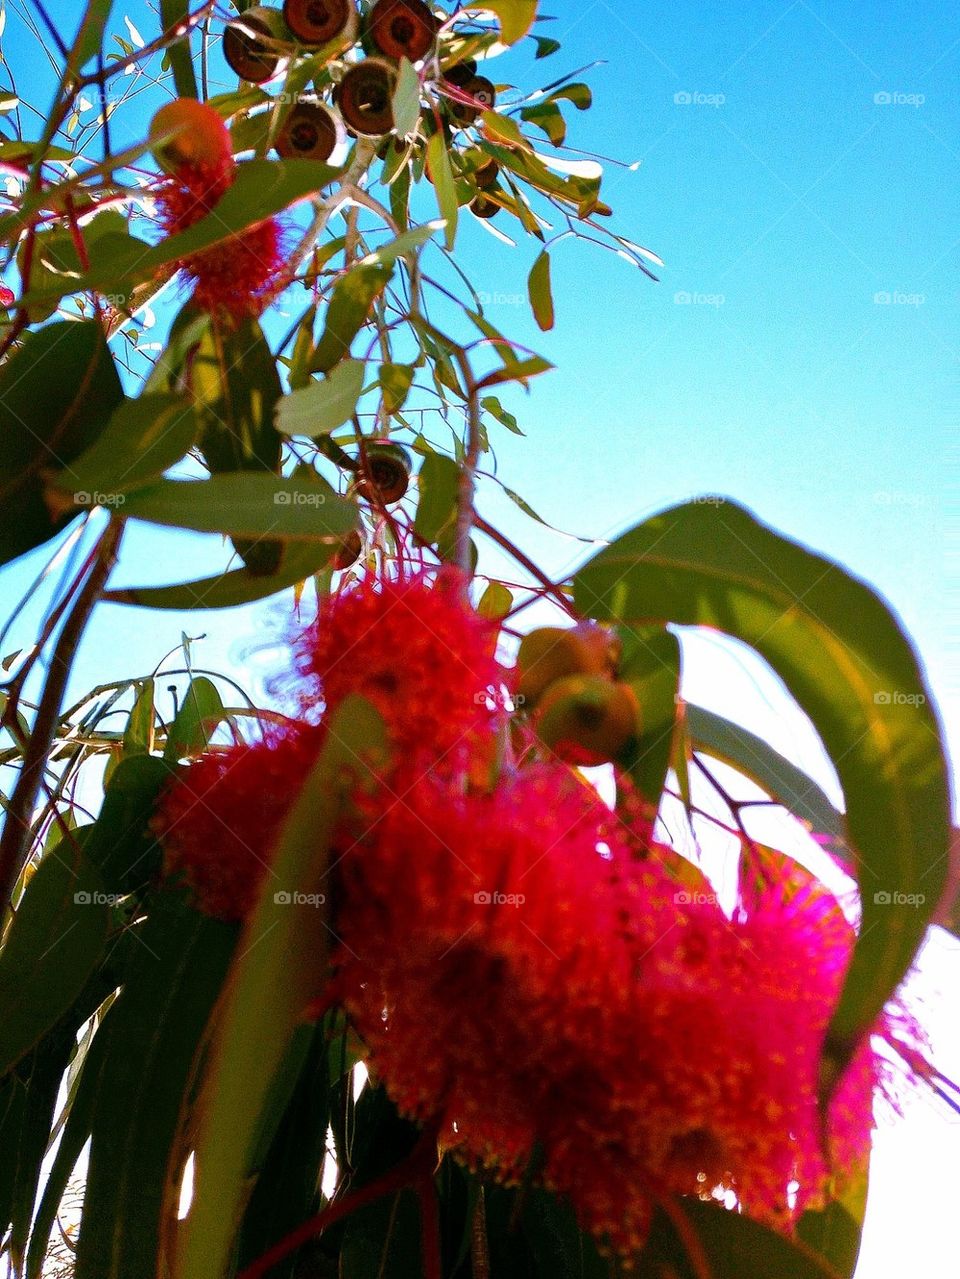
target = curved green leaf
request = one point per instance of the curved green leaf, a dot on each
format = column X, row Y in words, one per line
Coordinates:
column 541, row 298
column 727, row 1245
column 198, row 717
column 156, row 1027
column 651, row 666
column 53, row 945
column 406, row 99
column 76, row 1132
column 515, row 17
column 173, row 12
column 281, row 966
column 840, row 651
column 834, row 1232
column 227, row 590
column 441, row 175
column 142, row 439
column 57, row 392
column 353, row 296
column 245, row 503
column 437, row 485
column 320, row 407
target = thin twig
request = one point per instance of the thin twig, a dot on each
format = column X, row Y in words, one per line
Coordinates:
column 551, row 588
column 468, row 469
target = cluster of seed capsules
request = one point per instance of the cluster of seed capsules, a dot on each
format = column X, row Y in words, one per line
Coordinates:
column 258, row 47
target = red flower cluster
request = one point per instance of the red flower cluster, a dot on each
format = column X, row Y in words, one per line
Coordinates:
column 470, row 927
column 416, row 650
column 531, row 973
column 239, row 276
column 527, row 984
column 219, row 822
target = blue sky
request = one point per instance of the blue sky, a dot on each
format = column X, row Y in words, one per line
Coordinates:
column 798, row 176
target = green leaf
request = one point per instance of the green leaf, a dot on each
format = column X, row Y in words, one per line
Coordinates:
column 516, row 17
column 548, row 117
column 516, row 371
column 438, row 485
column 651, row 666
column 142, row 439
column 28, row 1098
column 771, row 771
column 541, row 298
column 441, row 174
column 495, row 602
column 53, row 945
column 834, row 1232
column 405, row 245
column 196, row 721
column 396, row 381
column 300, row 560
column 120, row 844
column 57, row 392
column 496, row 409
column 54, row 255
column 842, row 654
column 545, row 46
column 730, row 1246
column 281, row 966
column 89, row 37
column 156, row 1028
column 406, row 99
column 577, row 93
column 288, row 1176
column 321, row 407
column 235, row 386
column 504, row 129
column 353, row 296
column 76, row 1132
column 246, row 504
column 138, row 734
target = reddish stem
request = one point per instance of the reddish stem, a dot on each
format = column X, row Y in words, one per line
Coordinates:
column 551, row 588
column 410, row 1171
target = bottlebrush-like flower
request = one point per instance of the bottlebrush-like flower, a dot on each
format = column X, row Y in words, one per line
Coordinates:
column 218, row 822
column 417, row 650
column 473, row 930
column 240, row 275
column 714, row 1073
